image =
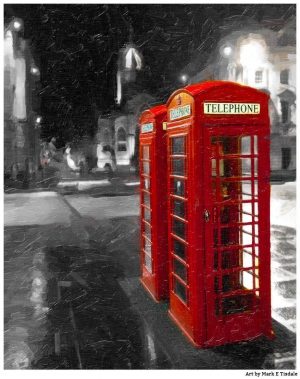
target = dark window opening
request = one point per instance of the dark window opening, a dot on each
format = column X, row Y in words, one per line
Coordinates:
column 286, row 157
column 180, row 290
column 284, row 111
column 178, row 187
column 178, row 145
column 180, row 269
column 284, row 77
column 179, row 228
column 258, row 76
column 179, row 249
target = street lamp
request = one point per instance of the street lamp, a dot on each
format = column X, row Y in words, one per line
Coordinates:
column 184, row 78
column 34, row 70
column 226, row 50
column 37, row 122
column 17, row 24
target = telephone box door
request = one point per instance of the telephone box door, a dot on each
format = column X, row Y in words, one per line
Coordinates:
column 236, row 202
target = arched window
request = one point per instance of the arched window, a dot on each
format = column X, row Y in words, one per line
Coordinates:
column 121, row 140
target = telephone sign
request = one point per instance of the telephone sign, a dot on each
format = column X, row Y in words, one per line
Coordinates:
column 231, row 108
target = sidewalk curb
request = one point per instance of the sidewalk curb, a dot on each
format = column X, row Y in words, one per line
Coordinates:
column 72, row 209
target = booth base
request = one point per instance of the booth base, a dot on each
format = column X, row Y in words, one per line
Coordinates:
column 184, row 331
column 148, row 290
column 261, row 353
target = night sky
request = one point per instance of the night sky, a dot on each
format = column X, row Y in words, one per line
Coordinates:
column 76, row 48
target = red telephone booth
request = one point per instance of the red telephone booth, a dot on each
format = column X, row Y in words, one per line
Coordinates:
column 218, row 212
column 153, row 167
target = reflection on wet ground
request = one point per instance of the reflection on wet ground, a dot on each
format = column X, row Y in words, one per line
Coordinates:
column 65, row 309
column 73, row 301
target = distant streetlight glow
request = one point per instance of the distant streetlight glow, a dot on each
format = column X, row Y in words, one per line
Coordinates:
column 38, row 119
column 184, row 78
column 227, row 51
column 17, row 25
column 34, row 70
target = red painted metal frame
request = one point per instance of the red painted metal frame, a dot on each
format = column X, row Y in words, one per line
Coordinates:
column 155, row 282
column 197, row 316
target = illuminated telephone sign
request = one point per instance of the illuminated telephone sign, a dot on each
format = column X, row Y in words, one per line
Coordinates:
column 218, row 212
column 153, row 189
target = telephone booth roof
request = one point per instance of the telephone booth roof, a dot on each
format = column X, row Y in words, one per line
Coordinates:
column 153, row 112
column 199, row 88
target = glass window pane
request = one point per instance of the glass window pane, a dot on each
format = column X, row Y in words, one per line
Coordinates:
column 235, row 167
column 247, row 229
column 237, row 304
column 146, row 152
column 229, row 214
column 246, row 145
column 178, row 145
column 246, row 217
column 179, row 228
column 230, row 259
column 178, row 187
column 148, row 263
column 147, row 246
column 147, row 184
column 246, row 238
column 147, row 231
column 230, row 282
column 146, row 168
column 225, row 236
column 246, row 166
column 178, row 166
column 247, row 279
column 226, row 145
column 180, row 269
column 180, row 290
column 179, row 249
column 146, row 198
column 255, row 144
column 179, row 208
column 147, row 214
column 246, row 190
column 247, row 259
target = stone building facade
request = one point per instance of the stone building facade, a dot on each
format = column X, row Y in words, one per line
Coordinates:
column 21, row 104
column 266, row 60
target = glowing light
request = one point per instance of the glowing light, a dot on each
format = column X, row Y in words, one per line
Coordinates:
column 130, row 55
column 19, row 104
column 38, row 120
column 34, row 70
column 227, row 51
column 252, row 53
column 119, row 88
column 183, row 78
column 17, row 25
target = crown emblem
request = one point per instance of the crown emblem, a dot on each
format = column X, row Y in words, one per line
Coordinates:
column 179, row 100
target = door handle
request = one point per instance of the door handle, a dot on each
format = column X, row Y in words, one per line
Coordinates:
column 206, row 215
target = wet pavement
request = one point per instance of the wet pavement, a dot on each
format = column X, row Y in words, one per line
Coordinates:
column 73, row 299
column 64, row 307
